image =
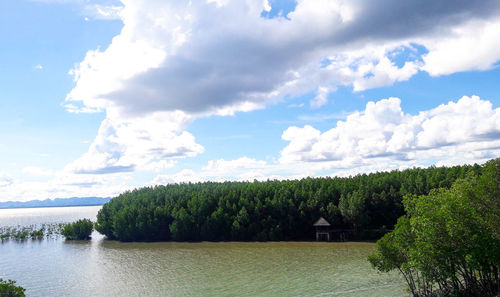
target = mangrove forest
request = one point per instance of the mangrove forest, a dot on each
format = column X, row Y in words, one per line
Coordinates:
column 271, row 210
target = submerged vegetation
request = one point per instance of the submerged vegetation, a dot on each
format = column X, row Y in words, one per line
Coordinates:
column 8, row 288
column 448, row 243
column 32, row 232
column 272, row 210
column 79, row 230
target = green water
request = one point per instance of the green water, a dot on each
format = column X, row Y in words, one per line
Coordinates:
column 107, row 268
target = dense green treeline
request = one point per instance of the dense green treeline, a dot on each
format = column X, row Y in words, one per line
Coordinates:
column 271, row 210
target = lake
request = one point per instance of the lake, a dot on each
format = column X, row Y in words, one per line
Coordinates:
column 100, row 267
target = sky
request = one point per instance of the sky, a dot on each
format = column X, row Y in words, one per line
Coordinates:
column 99, row 97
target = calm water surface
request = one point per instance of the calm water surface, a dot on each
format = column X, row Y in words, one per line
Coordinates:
column 101, row 267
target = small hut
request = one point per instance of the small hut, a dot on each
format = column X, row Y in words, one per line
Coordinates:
column 322, row 229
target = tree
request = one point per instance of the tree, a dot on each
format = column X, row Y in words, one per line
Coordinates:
column 449, row 240
column 8, row 288
column 79, row 230
column 352, row 208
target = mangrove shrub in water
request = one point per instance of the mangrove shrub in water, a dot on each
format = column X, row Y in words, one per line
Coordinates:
column 79, row 230
column 271, row 210
column 448, row 243
column 8, row 288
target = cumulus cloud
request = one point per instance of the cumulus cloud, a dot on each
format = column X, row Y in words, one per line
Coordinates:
column 471, row 46
column 464, row 131
column 180, row 56
column 126, row 145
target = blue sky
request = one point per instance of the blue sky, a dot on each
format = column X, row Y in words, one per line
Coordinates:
column 97, row 97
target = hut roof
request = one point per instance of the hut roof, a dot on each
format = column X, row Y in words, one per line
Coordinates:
column 321, row 222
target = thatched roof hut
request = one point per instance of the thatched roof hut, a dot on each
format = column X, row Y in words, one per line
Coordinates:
column 322, row 229
column 321, row 223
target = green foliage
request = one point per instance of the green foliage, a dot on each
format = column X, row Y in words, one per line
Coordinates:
column 32, row 232
column 449, row 241
column 8, row 288
column 79, row 230
column 37, row 234
column 271, row 210
column 352, row 208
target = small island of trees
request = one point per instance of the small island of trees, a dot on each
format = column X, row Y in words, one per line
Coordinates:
column 79, row 230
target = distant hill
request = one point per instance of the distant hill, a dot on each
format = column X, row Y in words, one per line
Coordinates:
column 58, row 202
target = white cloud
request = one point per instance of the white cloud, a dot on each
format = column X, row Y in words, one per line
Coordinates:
column 27, row 191
column 124, row 145
column 266, row 5
column 219, row 3
column 158, row 165
column 5, row 179
column 384, row 73
column 321, row 98
column 38, row 67
column 37, row 171
column 180, row 56
column 184, row 176
column 98, row 9
column 103, row 12
column 241, row 169
column 458, row 132
column 222, row 165
column 471, row 46
column 301, row 140
column 64, row 185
